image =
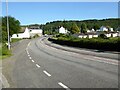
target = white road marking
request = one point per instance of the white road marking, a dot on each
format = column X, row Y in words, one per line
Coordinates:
column 38, row 65
column 47, row 73
column 29, row 43
column 33, row 61
column 27, row 52
column 28, row 55
column 64, row 86
column 30, row 58
column 103, row 60
column 26, row 49
column 4, row 81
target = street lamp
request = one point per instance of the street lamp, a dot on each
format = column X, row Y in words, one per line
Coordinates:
column 7, row 24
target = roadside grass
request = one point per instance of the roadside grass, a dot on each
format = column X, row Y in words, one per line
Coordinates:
column 15, row 40
column 4, row 52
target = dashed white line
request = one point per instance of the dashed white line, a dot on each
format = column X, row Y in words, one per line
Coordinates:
column 64, row 86
column 38, row 65
column 29, row 43
column 30, row 58
column 47, row 73
column 27, row 52
column 28, row 55
column 33, row 61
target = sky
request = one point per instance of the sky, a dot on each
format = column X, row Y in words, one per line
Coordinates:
column 43, row 12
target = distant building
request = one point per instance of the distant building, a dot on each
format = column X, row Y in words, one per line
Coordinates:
column 28, row 33
column 63, row 30
column 33, row 32
column 103, row 28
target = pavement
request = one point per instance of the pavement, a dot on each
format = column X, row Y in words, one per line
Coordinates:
column 35, row 64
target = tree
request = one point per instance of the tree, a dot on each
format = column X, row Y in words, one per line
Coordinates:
column 14, row 27
column 109, row 28
column 83, row 28
column 75, row 28
column 96, row 27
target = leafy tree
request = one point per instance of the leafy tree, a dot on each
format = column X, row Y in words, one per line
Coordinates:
column 109, row 28
column 96, row 27
column 75, row 28
column 14, row 27
column 83, row 28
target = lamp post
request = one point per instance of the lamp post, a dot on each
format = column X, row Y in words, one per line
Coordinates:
column 7, row 24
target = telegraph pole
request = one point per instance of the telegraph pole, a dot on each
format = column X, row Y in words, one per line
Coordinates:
column 7, row 24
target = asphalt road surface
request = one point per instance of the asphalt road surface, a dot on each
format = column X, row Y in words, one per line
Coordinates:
column 38, row 65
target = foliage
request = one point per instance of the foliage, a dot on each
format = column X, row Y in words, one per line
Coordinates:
column 96, row 27
column 5, row 51
column 110, row 44
column 50, row 27
column 15, row 40
column 35, row 36
column 14, row 27
column 74, row 29
column 103, row 36
column 83, row 28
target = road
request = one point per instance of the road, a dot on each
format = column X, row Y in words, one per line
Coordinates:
column 37, row 65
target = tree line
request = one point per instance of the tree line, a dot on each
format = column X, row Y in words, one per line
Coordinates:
column 75, row 26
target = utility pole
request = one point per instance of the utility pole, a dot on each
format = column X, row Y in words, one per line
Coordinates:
column 7, row 24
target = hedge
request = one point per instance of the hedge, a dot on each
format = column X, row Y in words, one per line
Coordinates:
column 99, row 44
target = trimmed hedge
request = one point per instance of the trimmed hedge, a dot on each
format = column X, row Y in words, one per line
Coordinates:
column 94, row 43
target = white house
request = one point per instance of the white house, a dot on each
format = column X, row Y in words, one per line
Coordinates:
column 115, row 34
column 62, row 30
column 33, row 32
column 108, row 34
column 103, row 28
column 28, row 33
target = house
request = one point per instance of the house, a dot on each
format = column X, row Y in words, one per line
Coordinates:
column 33, row 32
column 87, row 35
column 115, row 34
column 103, row 28
column 92, row 34
column 63, row 30
column 28, row 33
column 108, row 34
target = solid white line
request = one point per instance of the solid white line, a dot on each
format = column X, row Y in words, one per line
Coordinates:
column 4, row 81
column 38, row 65
column 103, row 60
column 30, row 58
column 64, row 86
column 47, row 73
column 33, row 61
